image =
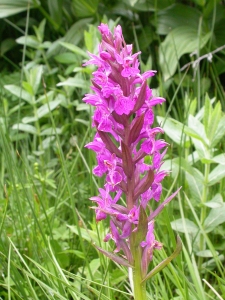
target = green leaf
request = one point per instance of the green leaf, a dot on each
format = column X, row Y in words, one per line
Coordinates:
column 196, row 130
column 219, row 32
column 184, row 225
column 30, row 40
column 56, row 10
column 40, row 31
column 175, row 16
column 217, row 201
column 12, row 7
column 114, row 257
column 28, row 88
column 179, row 41
column 83, row 8
column 19, row 92
column 25, row 127
column 29, row 119
column 214, row 122
column 34, row 76
column 75, row 82
column 220, row 159
column 220, row 132
column 194, row 177
column 142, row 228
column 75, row 49
column 49, row 96
column 76, row 32
column 149, row 5
column 200, row 2
column 205, row 85
column 51, row 131
column 206, row 253
column 216, row 175
column 6, row 45
column 173, row 128
column 47, row 107
column 91, row 38
column 215, row 218
column 66, row 58
column 166, row 261
column 90, row 235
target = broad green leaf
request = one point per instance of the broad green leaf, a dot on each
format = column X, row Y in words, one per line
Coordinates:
column 34, row 76
column 216, row 175
column 214, row 122
column 76, row 32
column 46, row 143
column 206, row 253
column 194, row 177
column 83, row 8
column 205, row 85
column 75, row 82
column 25, row 127
column 91, row 38
column 149, row 5
column 66, row 58
column 219, row 33
column 26, row 120
column 203, row 152
column 12, row 7
column 193, row 107
column 133, row 2
column 179, row 41
column 173, row 129
column 75, row 49
column 217, row 201
column 51, row 131
column 220, row 159
column 200, row 2
column 215, row 218
column 197, row 132
column 40, row 30
column 56, row 10
column 28, row 88
column 90, row 235
column 46, row 97
column 200, row 114
column 45, row 108
column 198, row 128
column 175, row 16
column 30, row 40
column 6, row 45
column 19, row 92
column 220, row 132
column 184, row 225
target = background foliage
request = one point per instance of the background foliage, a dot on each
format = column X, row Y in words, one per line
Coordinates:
column 46, row 227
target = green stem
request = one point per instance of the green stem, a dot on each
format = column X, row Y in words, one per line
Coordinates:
column 139, row 288
column 203, row 210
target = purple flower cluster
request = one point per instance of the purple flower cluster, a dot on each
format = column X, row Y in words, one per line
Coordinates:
column 123, row 118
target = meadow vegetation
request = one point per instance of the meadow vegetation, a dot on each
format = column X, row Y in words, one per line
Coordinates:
column 47, row 228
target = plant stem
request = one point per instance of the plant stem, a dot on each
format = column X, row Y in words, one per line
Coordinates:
column 203, row 210
column 139, row 288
